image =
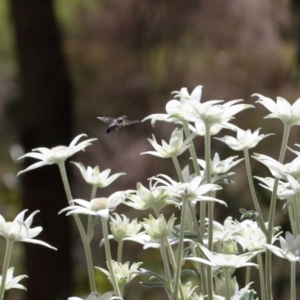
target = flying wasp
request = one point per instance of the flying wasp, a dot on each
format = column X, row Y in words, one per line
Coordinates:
column 117, row 123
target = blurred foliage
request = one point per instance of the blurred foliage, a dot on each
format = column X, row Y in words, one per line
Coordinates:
column 7, row 51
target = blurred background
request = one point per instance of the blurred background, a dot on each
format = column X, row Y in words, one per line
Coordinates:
column 64, row 63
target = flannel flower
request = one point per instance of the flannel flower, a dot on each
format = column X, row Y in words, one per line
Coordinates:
column 19, row 229
column 212, row 113
column 279, row 170
column 225, row 237
column 154, row 198
column 98, row 207
column 283, row 189
column 156, row 229
column 199, row 128
column 224, row 260
column 244, row 139
column 290, row 247
column 282, row 109
column 236, row 294
column 11, row 282
column 220, row 285
column 122, row 227
column 55, row 155
column 159, row 228
column 253, row 238
column 175, row 147
column 124, row 274
column 94, row 177
column 175, row 106
column 193, row 190
column 220, row 166
column 96, row 296
column 188, row 291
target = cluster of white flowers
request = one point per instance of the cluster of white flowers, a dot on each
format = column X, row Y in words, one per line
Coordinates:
column 214, row 249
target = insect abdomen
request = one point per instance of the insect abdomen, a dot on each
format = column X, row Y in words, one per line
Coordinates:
column 112, row 127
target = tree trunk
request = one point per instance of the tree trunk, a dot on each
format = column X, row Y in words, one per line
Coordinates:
column 45, row 121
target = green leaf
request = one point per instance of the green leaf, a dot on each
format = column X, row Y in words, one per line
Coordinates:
column 153, row 275
column 248, row 214
column 286, row 206
column 245, row 294
column 186, row 272
column 154, row 284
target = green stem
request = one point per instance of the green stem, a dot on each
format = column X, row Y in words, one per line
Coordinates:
column 178, row 169
column 120, row 250
column 272, row 215
column 227, row 283
column 94, row 191
column 8, row 251
column 193, row 227
column 207, row 142
column 191, row 147
column 166, row 266
column 261, row 276
column 83, row 235
column 250, row 180
column 90, row 228
column 292, row 214
column 109, row 259
column 208, row 180
column 180, row 247
column 296, row 209
column 247, row 277
column 173, row 264
column 293, row 280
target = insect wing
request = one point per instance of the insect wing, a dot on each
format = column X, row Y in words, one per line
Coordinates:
column 132, row 122
column 106, row 120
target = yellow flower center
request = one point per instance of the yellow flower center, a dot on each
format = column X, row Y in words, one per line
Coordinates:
column 99, row 204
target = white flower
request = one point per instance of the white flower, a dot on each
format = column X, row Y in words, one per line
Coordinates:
column 159, row 228
column 175, row 147
column 94, row 177
column 283, row 110
column 200, row 128
column 290, row 247
column 175, row 106
column 244, row 139
column 144, row 239
column 220, row 285
column 224, row 260
column 11, row 282
column 252, row 236
column 154, row 198
column 236, row 294
column 225, row 236
column 19, row 229
column 195, row 95
column 123, row 227
column 188, row 291
column 212, row 112
column 220, row 166
column 283, row 190
column 96, row 296
column 279, row 170
column 55, row 155
column 123, row 273
column 193, row 191
column 99, row 207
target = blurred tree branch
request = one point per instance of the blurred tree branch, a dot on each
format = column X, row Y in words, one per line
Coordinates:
column 45, row 120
